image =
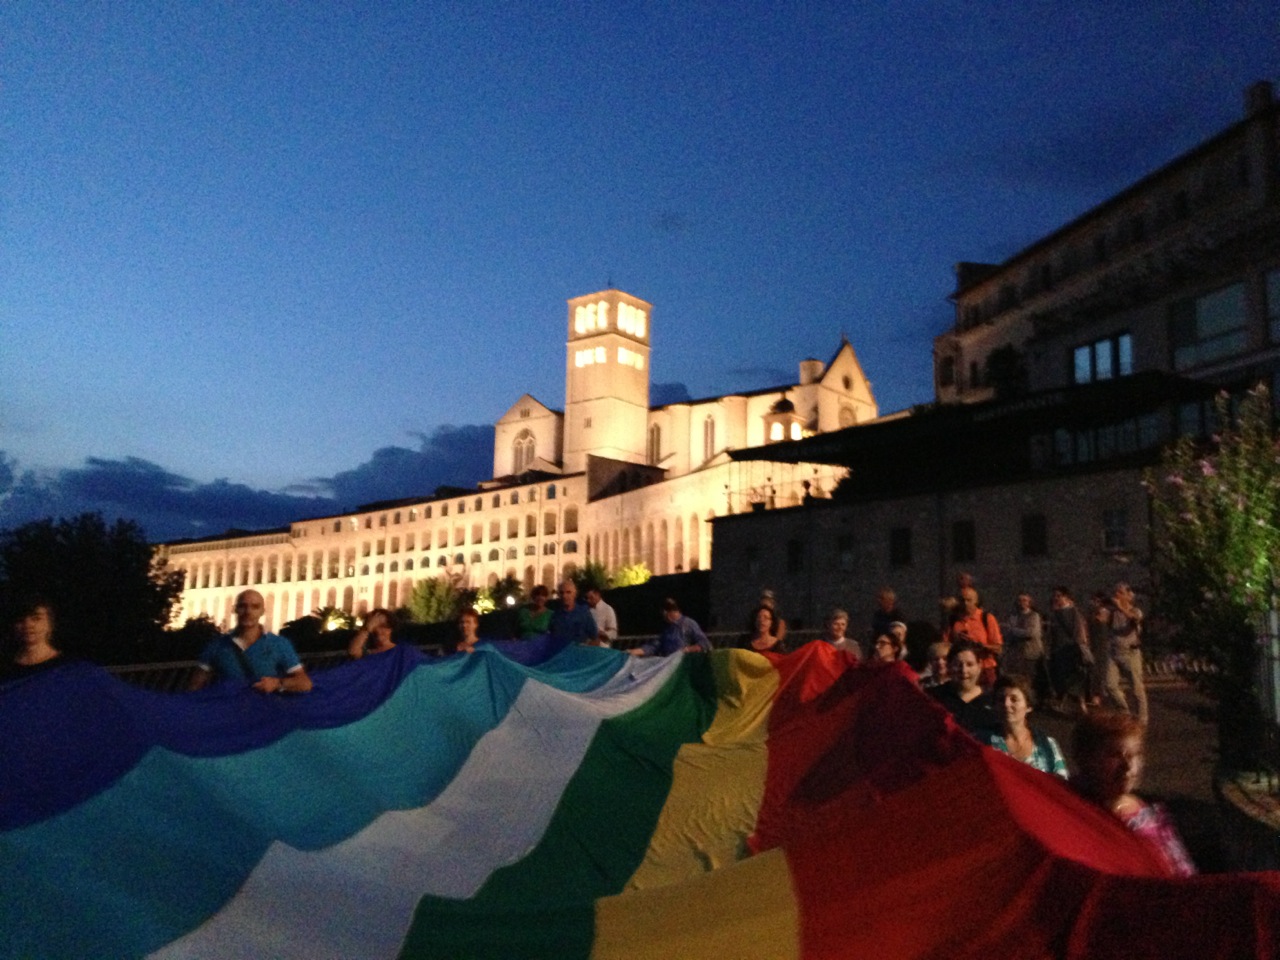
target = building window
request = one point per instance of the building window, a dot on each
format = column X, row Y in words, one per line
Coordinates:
column 964, row 541
column 1115, row 530
column 571, row 546
column 462, row 506
column 795, row 556
column 479, row 504
column 426, row 512
column 1208, row 328
column 1103, row 359
column 900, row 547
column 522, row 452
column 708, row 438
column 551, row 491
column 655, row 444
column 570, row 519
column 844, row 553
column 549, row 523
column 947, row 372
column 497, row 499
column 444, row 509
column 1035, row 535
column 494, row 555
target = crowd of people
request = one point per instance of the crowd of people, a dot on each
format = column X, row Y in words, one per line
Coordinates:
column 989, row 675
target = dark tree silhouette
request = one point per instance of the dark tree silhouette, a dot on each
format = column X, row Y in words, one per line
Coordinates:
column 111, row 598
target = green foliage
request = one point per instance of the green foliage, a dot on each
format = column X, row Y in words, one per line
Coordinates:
column 593, row 575
column 187, row 641
column 1006, row 372
column 111, row 598
column 333, row 618
column 504, row 588
column 1217, row 553
column 632, row 575
column 437, row 599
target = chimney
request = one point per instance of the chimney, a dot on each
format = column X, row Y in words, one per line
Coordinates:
column 810, row 371
column 1258, row 97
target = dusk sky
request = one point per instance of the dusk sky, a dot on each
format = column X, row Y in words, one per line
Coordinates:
column 266, row 261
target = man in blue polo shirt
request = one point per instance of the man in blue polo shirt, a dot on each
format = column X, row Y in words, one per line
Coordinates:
column 248, row 654
column 572, row 622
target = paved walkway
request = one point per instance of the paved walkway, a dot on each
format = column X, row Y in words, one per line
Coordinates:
column 1181, row 755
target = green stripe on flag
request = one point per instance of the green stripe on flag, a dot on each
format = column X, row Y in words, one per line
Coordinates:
column 543, row 906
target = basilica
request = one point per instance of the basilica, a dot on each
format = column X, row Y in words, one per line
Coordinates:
column 608, row 478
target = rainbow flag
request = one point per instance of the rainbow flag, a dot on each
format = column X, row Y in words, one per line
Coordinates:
column 530, row 802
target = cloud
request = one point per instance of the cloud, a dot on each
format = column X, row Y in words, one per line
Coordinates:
column 762, row 375
column 169, row 506
column 457, row 456
column 664, row 393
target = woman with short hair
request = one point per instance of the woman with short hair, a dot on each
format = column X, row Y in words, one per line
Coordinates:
column 1108, row 749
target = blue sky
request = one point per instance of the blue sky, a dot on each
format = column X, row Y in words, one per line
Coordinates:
column 265, row 260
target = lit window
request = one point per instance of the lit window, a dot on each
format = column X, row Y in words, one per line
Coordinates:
column 1208, row 328
column 1103, row 359
column 601, row 355
column 775, row 431
column 795, row 431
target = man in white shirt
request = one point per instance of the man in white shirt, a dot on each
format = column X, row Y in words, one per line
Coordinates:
column 606, row 619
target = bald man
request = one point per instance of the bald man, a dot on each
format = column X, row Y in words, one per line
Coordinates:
column 248, row 654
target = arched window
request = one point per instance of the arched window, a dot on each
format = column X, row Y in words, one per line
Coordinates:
column 493, row 555
column 775, row 431
column 512, row 553
column 655, row 444
column 571, row 546
column 551, row 491
column 708, row 437
column 522, row 451
column 408, row 565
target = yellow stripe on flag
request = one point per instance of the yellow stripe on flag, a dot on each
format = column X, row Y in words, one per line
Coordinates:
column 718, row 784
column 746, row 912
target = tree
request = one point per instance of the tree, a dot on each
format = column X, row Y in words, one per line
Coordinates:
column 112, row 599
column 1006, row 372
column 1217, row 558
column 437, row 599
column 592, row 575
column 632, row 575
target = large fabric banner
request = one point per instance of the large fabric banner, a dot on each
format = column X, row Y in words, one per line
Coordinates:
column 525, row 801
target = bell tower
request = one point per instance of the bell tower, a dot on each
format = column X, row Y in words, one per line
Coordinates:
column 606, row 401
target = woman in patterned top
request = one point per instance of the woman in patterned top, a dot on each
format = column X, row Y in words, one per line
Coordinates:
column 1012, row 695
column 1108, row 749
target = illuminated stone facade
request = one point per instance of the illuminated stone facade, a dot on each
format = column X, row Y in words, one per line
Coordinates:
column 607, row 478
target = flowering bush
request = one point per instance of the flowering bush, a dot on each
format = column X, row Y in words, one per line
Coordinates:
column 1216, row 512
